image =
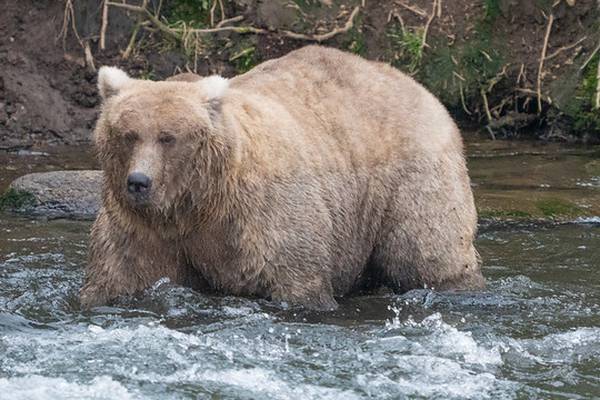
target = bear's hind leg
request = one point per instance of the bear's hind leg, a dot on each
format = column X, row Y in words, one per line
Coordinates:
column 408, row 262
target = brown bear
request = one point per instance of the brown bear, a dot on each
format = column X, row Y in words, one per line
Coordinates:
column 313, row 176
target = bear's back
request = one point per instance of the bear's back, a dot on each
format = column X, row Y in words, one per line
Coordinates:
column 364, row 106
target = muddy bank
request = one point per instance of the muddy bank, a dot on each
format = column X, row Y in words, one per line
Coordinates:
column 482, row 58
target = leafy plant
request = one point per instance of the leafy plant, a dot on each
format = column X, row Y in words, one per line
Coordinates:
column 408, row 46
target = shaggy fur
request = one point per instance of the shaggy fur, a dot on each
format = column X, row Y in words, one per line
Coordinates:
column 315, row 175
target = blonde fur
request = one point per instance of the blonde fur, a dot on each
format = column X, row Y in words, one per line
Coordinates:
column 315, row 175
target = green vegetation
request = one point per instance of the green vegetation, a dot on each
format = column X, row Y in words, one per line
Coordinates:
column 147, row 75
column 356, row 43
column 492, row 9
column 457, row 73
column 504, row 214
column 408, row 48
column 580, row 107
column 15, row 199
column 192, row 13
column 244, row 60
column 556, row 208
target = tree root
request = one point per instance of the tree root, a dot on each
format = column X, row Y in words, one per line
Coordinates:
column 541, row 64
column 184, row 32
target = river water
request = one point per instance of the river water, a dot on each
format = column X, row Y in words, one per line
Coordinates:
column 534, row 333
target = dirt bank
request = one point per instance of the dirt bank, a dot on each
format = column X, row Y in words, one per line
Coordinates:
column 482, row 58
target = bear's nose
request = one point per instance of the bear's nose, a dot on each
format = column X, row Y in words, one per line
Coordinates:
column 138, row 183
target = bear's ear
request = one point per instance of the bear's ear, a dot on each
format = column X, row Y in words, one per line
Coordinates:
column 213, row 86
column 111, row 80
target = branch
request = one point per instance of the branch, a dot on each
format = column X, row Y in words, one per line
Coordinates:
column 564, row 48
column 179, row 32
column 589, row 58
column 598, row 88
column 325, row 36
column 431, row 17
column 104, row 25
column 153, row 18
column 541, row 66
column 230, row 20
column 414, row 9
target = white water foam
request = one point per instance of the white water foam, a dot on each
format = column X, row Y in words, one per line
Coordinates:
column 36, row 387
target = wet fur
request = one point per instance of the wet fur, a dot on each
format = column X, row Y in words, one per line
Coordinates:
column 315, row 175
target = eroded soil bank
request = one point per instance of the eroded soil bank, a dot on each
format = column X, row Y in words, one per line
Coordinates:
column 481, row 57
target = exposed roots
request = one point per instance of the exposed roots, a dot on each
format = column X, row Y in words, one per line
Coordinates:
column 541, row 65
column 69, row 19
column 187, row 35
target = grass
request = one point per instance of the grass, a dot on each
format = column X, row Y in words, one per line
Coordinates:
column 504, row 214
column 408, row 49
column 15, row 199
column 555, row 208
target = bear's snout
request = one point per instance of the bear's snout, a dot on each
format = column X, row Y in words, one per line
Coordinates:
column 138, row 184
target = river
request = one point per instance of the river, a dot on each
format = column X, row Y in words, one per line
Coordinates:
column 534, row 333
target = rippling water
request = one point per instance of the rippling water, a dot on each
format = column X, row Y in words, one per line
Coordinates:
column 534, row 334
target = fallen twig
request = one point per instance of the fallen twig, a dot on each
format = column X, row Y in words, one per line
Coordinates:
column 414, row 9
column 104, row 25
column 486, row 105
column 136, row 29
column 587, row 61
column 565, row 48
column 394, row 14
column 459, row 76
column 532, row 93
column 521, row 74
column 497, row 78
column 431, row 17
column 212, row 12
column 541, row 65
column 462, row 99
column 181, row 33
column 69, row 18
column 325, row 36
column 131, row 44
column 229, row 21
column 598, row 87
column 89, row 58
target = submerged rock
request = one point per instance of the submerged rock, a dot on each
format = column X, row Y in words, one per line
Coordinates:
column 58, row 194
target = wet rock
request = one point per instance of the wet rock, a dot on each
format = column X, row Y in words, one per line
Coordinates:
column 58, row 194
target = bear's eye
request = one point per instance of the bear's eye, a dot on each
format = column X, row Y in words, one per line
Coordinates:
column 166, row 138
column 131, row 137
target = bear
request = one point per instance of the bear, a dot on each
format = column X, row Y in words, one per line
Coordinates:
column 311, row 177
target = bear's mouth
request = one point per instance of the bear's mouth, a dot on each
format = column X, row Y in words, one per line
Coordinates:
column 139, row 200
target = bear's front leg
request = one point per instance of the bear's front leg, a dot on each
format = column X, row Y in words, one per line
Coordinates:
column 123, row 260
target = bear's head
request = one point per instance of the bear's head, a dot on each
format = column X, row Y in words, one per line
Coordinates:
column 155, row 139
